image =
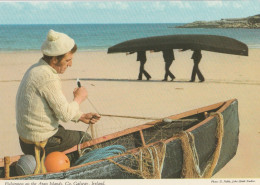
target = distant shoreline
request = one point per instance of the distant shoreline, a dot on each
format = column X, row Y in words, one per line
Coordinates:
column 251, row 22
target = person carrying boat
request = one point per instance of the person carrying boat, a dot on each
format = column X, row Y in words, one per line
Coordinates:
column 196, row 56
column 168, row 56
column 41, row 104
column 141, row 56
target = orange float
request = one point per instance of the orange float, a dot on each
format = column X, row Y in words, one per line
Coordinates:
column 56, row 162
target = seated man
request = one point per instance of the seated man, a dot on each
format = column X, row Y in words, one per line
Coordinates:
column 40, row 102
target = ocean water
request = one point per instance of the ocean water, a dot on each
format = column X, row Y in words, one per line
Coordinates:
column 101, row 36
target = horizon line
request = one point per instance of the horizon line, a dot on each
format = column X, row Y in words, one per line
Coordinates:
column 84, row 23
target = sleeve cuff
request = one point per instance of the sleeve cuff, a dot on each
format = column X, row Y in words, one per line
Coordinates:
column 78, row 115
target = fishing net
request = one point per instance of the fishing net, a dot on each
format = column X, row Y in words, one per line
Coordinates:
column 158, row 132
column 190, row 168
column 147, row 162
column 150, row 161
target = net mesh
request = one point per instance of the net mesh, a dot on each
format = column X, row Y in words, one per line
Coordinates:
column 158, row 132
column 148, row 161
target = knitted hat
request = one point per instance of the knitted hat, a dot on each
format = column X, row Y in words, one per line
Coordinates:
column 57, row 44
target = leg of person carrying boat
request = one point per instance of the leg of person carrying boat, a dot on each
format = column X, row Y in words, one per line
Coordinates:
column 40, row 102
column 196, row 56
column 141, row 56
column 143, row 71
column 168, row 56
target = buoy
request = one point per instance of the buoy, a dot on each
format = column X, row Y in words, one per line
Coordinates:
column 25, row 165
column 56, row 162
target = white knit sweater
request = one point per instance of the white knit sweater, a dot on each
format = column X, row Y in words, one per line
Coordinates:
column 40, row 104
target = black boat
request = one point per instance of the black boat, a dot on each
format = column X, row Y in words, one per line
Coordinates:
column 214, row 43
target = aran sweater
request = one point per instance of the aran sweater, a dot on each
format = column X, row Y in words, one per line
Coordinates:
column 40, row 104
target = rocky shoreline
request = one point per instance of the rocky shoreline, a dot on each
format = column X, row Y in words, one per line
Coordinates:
column 251, row 22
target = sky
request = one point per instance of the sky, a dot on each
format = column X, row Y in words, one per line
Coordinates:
column 91, row 12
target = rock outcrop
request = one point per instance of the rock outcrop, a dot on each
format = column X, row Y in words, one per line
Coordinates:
column 252, row 22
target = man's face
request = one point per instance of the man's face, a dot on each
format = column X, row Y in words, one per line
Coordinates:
column 65, row 62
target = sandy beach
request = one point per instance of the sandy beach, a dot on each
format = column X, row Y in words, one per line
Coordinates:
column 113, row 89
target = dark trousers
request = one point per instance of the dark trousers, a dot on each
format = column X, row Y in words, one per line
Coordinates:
column 142, row 71
column 61, row 141
column 196, row 71
column 167, row 70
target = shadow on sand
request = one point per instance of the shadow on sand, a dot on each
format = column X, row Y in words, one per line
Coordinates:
column 125, row 80
column 237, row 82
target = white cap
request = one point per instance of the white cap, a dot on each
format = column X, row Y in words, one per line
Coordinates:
column 57, row 44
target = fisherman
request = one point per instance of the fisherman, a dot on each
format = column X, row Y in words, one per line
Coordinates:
column 196, row 56
column 41, row 104
column 168, row 56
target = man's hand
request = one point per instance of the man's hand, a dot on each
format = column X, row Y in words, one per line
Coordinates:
column 90, row 118
column 80, row 94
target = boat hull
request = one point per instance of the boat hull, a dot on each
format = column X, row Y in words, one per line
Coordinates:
column 205, row 142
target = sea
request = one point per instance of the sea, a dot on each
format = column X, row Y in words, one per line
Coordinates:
column 99, row 37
